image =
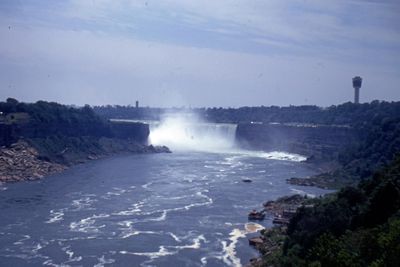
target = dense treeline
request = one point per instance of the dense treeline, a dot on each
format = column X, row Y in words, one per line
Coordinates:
column 48, row 118
column 356, row 227
column 347, row 113
column 65, row 134
column 377, row 147
column 129, row 112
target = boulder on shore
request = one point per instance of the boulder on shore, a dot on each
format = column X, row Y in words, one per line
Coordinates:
column 21, row 161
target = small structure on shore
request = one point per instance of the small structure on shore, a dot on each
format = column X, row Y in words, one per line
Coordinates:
column 256, row 215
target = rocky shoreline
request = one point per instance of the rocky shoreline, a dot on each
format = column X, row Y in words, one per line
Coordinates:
column 21, row 161
column 271, row 240
column 326, row 180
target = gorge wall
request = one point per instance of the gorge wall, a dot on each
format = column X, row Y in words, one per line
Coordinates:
column 28, row 152
column 11, row 133
column 319, row 141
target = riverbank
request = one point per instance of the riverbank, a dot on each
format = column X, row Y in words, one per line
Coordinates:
column 271, row 240
column 329, row 175
column 21, row 161
column 35, row 159
column 334, row 178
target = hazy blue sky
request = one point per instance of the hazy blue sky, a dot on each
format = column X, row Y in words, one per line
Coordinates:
column 199, row 53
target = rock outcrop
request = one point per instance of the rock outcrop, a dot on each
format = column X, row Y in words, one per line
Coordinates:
column 21, row 161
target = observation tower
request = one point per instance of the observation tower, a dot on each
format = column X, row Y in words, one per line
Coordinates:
column 357, row 85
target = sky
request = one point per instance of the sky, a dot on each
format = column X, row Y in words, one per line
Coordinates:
column 225, row 53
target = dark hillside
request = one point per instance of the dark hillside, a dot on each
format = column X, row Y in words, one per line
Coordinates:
column 357, row 227
column 58, row 134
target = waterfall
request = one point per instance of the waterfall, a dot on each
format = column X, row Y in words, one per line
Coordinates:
column 189, row 133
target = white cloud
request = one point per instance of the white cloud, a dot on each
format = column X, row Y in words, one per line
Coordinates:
column 274, row 52
column 85, row 67
column 318, row 26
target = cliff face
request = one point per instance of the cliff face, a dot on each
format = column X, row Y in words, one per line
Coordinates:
column 138, row 132
column 41, row 138
column 69, row 147
column 30, row 155
column 310, row 140
column 11, row 133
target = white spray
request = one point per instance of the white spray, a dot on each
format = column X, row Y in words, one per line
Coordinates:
column 189, row 132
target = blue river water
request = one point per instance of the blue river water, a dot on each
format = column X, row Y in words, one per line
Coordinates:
column 179, row 209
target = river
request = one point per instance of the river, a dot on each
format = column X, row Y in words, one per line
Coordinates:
column 187, row 208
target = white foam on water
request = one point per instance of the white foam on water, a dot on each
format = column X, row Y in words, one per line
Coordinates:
column 21, row 241
column 164, row 212
column 117, row 191
column 179, row 197
column 84, row 203
column 279, row 155
column 87, row 225
column 70, row 255
column 208, row 202
column 128, row 230
column 36, row 248
column 3, row 187
column 162, row 217
column 169, row 250
column 188, row 180
column 55, row 216
column 175, row 237
column 145, row 186
column 238, row 154
column 229, row 251
column 152, row 255
column 195, row 245
column 135, row 209
column 102, row 261
column 50, row 262
column 26, row 250
column 229, row 257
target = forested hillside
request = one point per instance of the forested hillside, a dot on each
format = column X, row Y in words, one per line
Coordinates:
column 356, row 227
column 48, row 118
column 66, row 134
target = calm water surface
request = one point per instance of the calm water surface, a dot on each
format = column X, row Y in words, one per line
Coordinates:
column 179, row 209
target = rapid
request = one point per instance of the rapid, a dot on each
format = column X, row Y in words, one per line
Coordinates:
column 187, row 208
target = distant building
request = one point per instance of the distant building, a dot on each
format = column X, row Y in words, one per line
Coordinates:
column 137, row 104
column 357, row 85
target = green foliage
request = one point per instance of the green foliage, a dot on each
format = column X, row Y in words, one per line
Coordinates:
column 347, row 113
column 379, row 144
column 358, row 227
column 44, row 119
